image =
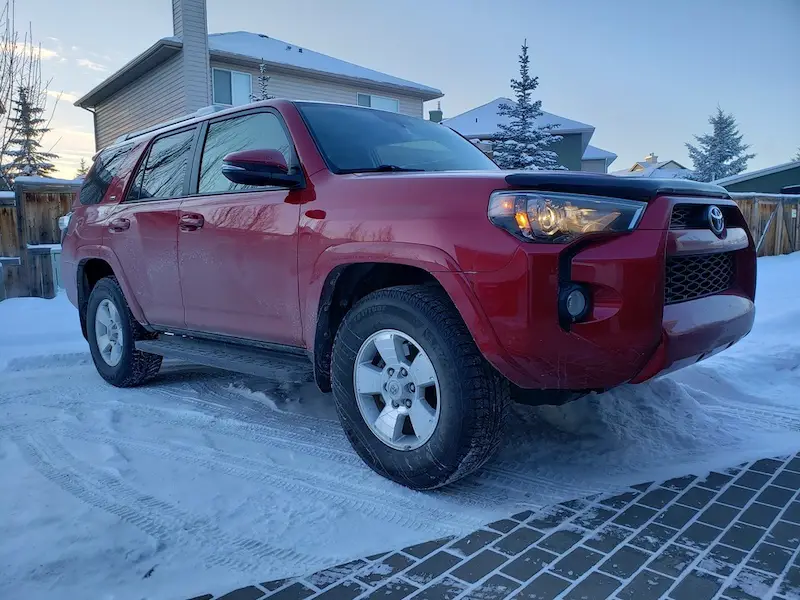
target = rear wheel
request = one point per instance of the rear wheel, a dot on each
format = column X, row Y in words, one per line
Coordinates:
column 417, row 400
column 112, row 332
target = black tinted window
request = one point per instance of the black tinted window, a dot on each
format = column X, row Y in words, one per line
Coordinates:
column 250, row 132
column 163, row 172
column 109, row 164
column 356, row 139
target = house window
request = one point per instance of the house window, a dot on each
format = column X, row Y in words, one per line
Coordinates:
column 232, row 88
column 379, row 102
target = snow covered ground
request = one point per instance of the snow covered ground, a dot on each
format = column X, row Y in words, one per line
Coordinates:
column 205, row 481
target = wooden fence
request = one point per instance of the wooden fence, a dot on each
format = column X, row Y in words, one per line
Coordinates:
column 28, row 234
column 774, row 221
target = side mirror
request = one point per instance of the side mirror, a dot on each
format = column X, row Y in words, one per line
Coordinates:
column 258, row 167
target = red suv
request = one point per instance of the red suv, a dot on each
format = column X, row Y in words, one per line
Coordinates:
column 424, row 286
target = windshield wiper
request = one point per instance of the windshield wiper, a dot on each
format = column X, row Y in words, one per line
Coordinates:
column 382, row 169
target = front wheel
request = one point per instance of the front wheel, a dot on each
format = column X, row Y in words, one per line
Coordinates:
column 112, row 332
column 417, row 400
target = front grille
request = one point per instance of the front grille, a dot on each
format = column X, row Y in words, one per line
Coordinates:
column 690, row 277
column 693, row 216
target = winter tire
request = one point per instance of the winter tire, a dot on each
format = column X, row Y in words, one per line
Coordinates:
column 112, row 332
column 417, row 400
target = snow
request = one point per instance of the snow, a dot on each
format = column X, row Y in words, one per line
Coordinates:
column 595, row 153
column 656, row 169
column 204, row 481
column 44, row 246
column 484, row 122
column 271, row 50
column 50, row 180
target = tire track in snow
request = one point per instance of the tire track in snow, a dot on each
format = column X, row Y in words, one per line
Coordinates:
column 333, row 489
column 160, row 520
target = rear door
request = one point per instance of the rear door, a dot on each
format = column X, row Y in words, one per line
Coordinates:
column 143, row 228
column 237, row 244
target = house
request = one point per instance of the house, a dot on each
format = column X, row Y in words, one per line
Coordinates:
column 767, row 181
column 191, row 70
column 652, row 167
column 481, row 125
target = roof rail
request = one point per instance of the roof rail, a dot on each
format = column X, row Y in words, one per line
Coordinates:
column 206, row 110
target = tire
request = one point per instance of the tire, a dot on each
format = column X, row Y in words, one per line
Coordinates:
column 473, row 399
column 128, row 366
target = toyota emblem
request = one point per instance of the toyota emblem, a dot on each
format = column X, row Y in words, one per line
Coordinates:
column 716, row 221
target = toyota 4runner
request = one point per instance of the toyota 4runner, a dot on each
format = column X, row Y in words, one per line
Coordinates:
column 391, row 260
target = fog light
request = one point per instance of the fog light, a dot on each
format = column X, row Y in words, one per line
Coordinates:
column 576, row 303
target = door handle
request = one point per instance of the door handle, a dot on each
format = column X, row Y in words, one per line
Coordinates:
column 191, row 222
column 118, row 225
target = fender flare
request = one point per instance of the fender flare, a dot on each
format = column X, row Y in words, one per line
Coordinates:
column 86, row 253
column 433, row 260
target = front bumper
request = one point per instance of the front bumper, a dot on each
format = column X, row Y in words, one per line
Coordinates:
column 698, row 329
column 630, row 335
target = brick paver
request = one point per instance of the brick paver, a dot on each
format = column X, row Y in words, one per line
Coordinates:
column 729, row 535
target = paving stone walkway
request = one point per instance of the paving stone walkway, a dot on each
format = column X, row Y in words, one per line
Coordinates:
column 733, row 535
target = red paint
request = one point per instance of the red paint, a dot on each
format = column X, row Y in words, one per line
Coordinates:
column 253, row 265
column 238, row 272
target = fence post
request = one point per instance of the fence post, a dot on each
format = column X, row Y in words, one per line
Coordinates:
column 755, row 219
column 779, row 228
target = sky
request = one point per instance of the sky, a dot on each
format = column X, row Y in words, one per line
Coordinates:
column 645, row 74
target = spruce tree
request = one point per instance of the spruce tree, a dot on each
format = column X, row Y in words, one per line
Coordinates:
column 520, row 143
column 25, row 146
column 263, row 85
column 83, row 169
column 720, row 153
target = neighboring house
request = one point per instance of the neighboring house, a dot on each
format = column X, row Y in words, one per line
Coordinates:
column 652, row 167
column 767, row 181
column 481, row 125
column 191, row 70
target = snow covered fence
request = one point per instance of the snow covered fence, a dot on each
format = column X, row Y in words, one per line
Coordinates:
column 29, row 234
column 773, row 220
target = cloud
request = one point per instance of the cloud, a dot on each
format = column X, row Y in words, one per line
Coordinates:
column 92, row 66
column 20, row 47
column 65, row 96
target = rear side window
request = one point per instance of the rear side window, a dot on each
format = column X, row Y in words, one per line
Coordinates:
column 110, row 163
column 162, row 173
column 251, row 132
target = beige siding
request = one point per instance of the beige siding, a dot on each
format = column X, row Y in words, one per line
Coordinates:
column 593, row 166
column 294, row 87
column 196, row 70
column 151, row 99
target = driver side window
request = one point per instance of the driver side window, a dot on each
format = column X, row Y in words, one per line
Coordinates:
column 250, row 132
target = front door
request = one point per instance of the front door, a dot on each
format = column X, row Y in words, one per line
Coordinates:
column 237, row 244
column 143, row 228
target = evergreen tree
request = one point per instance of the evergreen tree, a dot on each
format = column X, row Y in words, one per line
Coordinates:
column 797, row 156
column 263, row 85
column 83, row 169
column 720, row 153
column 25, row 152
column 520, row 143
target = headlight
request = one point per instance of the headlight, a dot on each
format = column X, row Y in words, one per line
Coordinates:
column 560, row 218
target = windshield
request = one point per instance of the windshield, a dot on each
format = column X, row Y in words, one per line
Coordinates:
column 354, row 139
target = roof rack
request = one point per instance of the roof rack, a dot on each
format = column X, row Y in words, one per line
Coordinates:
column 206, row 110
